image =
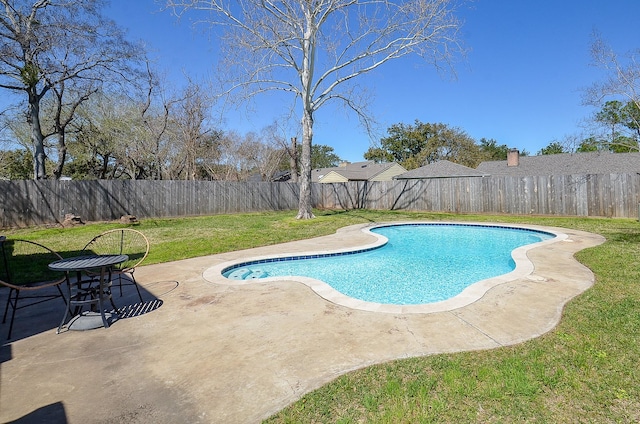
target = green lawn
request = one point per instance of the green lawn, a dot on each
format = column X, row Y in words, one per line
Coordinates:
column 587, row 370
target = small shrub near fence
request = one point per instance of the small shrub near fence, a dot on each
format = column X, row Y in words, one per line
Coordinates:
column 28, row 203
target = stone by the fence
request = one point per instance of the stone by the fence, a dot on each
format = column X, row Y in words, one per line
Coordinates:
column 71, row 220
column 128, row 219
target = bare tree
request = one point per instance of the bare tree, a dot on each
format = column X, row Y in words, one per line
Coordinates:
column 99, row 146
column 618, row 94
column 314, row 49
column 120, row 136
column 46, row 45
column 279, row 137
column 151, row 138
column 62, row 116
column 271, row 158
column 623, row 74
column 228, row 167
column 244, row 156
column 137, row 128
column 195, row 144
column 149, row 134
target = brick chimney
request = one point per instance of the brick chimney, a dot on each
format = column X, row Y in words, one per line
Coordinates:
column 513, row 157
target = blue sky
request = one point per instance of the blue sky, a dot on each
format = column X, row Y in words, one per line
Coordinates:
column 521, row 82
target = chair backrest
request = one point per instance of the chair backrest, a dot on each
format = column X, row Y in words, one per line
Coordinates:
column 121, row 241
column 24, row 264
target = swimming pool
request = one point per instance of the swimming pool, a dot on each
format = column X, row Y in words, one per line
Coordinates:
column 413, row 264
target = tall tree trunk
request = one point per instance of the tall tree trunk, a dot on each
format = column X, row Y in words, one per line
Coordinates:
column 62, row 154
column 37, row 139
column 304, row 205
column 305, row 210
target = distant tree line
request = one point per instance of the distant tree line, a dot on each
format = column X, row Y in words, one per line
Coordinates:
column 613, row 129
column 113, row 136
column 419, row 144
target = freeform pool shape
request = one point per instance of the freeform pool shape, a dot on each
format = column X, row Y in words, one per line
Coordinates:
column 505, row 269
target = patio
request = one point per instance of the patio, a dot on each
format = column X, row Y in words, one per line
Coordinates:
column 199, row 352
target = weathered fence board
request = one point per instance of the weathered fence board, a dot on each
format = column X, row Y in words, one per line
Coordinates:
column 27, row 203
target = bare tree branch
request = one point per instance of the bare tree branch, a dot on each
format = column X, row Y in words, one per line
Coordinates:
column 618, row 96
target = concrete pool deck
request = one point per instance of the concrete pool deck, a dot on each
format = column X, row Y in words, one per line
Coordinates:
column 200, row 352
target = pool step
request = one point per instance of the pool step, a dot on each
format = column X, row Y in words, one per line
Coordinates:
column 247, row 274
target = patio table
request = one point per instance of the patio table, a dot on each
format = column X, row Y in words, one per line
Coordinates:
column 97, row 268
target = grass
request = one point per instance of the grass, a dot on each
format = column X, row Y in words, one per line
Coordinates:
column 181, row 238
column 584, row 371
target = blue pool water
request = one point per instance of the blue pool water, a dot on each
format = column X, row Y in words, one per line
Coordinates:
column 420, row 263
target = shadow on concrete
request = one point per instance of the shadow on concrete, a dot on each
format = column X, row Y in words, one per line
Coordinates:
column 46, row 316
column 5, row 353
column 50, row 414
column 137, row 309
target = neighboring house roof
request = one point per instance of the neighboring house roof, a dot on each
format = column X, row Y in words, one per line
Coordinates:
column 566, row 164
column 440, row 169
column 278, row 177
column 358, row 171
column 281, row 176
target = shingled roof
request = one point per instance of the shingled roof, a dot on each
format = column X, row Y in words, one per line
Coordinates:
column 440, row 169
column 566, row 164
column 358, row 171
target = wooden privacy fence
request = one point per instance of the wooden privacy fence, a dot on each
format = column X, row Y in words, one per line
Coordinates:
column 27, row 203
column 608, row 195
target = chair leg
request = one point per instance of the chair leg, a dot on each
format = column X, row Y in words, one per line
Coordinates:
column 6, row 308
column 67, row 304
column 14, row 305
column 67, row 311
column 104, row 290
column 120, row 282
column 66, row 298
column 135, row 283
column 105, row 323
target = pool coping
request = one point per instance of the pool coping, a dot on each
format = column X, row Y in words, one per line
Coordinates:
column 525, row 268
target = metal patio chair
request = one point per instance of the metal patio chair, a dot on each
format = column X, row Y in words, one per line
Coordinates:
column 122, row 241
column 24, row 270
